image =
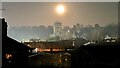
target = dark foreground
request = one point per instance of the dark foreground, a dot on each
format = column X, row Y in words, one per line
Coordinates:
column 52, row 60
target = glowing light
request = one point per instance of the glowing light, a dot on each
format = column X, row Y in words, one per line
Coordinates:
column 8, row 56
column 46, row 49
column 60, row 9
column 68, row 31
column 36, row 49
column 66, row 59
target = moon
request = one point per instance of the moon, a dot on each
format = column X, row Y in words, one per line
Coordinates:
column 60, row 9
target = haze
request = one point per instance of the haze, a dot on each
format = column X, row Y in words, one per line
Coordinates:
column 44, row 13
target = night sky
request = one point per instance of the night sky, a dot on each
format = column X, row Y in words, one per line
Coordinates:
column 44, row 13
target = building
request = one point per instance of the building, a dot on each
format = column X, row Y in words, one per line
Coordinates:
column 66, row 33
column 57, row 28
column 14, row 54
column 54, row 46
column 96, row 55
column 97, row 33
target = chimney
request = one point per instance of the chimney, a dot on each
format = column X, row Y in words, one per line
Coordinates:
column 4, row 28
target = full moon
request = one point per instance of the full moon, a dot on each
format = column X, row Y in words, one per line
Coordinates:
column 60, row 9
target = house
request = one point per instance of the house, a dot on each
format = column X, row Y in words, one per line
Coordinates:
column 96, row 56
column 14, row 54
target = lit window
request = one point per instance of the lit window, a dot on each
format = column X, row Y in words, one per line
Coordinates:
column 108, row 40
column 8, row 56
column 113, row 40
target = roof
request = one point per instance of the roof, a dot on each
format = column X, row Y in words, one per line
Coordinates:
column 9, row 43
column 96, row 54
column 12, row 44
column 56, row 44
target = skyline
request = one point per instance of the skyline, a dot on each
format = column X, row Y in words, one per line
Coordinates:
column 43, row 13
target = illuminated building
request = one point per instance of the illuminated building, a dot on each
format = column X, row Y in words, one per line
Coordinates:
column 57, row 28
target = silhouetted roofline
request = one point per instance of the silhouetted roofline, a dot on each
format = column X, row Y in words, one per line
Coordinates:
column 22, row 45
